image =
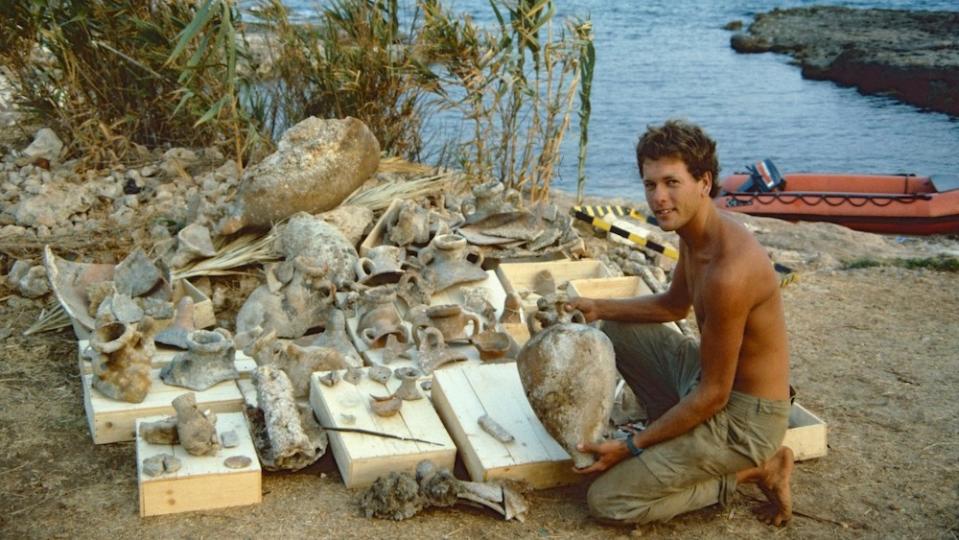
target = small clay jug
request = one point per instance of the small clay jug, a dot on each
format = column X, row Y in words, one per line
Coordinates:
column 445, row 261
column 411, row 225
column 380, row 319
column 488, row 200
column 452, row 321
column 121, row 367
column 383, row 264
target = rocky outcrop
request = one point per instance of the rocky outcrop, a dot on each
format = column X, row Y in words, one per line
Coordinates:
column 910, row 55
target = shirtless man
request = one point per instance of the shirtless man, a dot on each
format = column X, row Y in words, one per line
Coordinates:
column 718, row 409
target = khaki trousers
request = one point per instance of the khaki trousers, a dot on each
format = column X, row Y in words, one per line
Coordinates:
column 698, row 468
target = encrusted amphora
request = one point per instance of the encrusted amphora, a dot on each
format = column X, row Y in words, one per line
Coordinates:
column 121, row 363
column 446, row 262
column 380, row 319
column 489, row 199
column 568, row 371
column 296, row 302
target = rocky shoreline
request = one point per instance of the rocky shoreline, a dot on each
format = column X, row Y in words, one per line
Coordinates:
column 910, row 55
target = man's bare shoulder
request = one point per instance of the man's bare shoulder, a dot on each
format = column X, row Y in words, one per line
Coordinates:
column 742, row 262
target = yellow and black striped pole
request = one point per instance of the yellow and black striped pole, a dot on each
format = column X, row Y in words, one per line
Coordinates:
column 592, row 215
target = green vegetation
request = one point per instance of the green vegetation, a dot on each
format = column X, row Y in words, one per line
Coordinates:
column 939, row 263
column 116, row 76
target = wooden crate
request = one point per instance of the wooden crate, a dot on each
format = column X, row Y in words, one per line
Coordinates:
column 518, row 277
column 164, row 355
column 806, row 435
column 461, row 395
column 113, row 421
column 362, row 458
column 611, row 287
column 203, row 482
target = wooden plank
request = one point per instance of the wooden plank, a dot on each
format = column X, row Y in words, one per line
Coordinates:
column 113, row 421
column 164, row 355
column 203, row 482
column 378, row 232
column 462, row 394
column 362, row 458
column 518, row 277
column 806, row 435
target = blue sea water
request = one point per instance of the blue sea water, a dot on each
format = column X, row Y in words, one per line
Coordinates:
column 660, row 59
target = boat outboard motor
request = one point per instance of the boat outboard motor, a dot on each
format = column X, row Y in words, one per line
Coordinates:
column 763, row 178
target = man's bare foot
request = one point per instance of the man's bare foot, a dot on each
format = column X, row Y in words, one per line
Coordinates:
column 773, row 480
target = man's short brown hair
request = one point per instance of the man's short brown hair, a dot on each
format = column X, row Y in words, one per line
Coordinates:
column 682, row 140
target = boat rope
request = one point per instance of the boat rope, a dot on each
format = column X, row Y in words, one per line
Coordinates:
column 739, row 198
column 787, row 274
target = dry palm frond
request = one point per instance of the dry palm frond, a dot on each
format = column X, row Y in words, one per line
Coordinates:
column 399, row 165
column 244, row 250
column 52, row 317
column 380, row 196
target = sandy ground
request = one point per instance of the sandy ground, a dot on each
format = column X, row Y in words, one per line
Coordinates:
column 875, row 352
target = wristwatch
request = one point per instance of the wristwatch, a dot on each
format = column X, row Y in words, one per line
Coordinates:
column 631, row 446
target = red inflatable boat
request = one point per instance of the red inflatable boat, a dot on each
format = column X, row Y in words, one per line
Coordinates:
column 889, row 204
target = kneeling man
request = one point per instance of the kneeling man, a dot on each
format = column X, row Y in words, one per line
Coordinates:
column 717, row 409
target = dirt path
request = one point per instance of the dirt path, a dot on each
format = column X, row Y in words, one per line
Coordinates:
column 875, row 352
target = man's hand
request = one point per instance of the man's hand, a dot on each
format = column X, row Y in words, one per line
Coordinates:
column 608, row 453
column 586, row 306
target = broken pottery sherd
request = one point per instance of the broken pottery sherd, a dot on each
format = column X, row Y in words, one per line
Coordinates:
column 299, row 305
column 300, row 363
column 317, row 164
column 445, row 262
column 193, row 242
column 136, row 275
column 152, row 466
column 70, row 282
column 495, row 429
column 229, row 439
column 330, row 378
column 383, row 264
column 512, row 309
column 381, row 319
column 121, row 367
column 452, row 321
column 159, row 432
column 353, row 375
column 177, row 333
column 380, row 374
column 209, row 360
column 433, row 352
column 237, row 462
column 491, row 344
column 196, row 430
column 385, row 406
column 334, row 336
column 171, row 464
column 569, row 374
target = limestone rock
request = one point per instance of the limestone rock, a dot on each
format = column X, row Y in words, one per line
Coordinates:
column 46, row 145
column 318, row 163
column 352, row 221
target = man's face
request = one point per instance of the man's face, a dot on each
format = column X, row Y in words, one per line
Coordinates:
column 672, row 193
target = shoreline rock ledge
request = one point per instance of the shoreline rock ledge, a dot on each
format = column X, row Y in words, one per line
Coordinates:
column 910, row 55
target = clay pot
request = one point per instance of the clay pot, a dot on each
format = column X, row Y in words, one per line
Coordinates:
column 445, row 262
column 196, row 430
column 408, row 390
column 383, row 264
column 491, row 344
column 433, row 352
column 208, row 361
column 335, row 337
column 488, row 200
column 451, row 320
column 380, row 319
column 121, row 366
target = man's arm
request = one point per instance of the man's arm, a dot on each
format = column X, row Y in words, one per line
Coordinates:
column 668, row 306
column 726, row 305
